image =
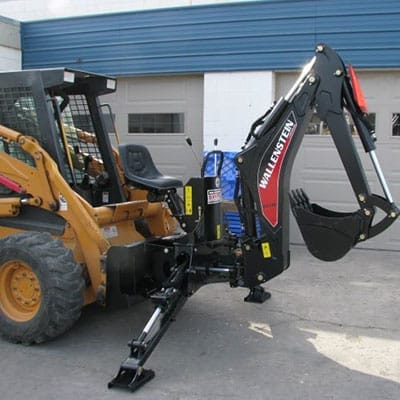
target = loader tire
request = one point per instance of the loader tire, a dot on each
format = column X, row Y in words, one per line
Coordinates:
column 40, row 288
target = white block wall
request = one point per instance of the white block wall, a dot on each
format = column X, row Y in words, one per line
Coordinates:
column 29, row 10
column 232, row 102
column 10, row 45
column 10, row 59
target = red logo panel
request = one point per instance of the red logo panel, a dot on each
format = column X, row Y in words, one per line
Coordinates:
column 270, row 170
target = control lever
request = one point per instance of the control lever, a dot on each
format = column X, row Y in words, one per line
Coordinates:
column 190, row 144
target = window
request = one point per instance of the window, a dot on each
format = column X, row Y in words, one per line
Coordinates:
column 18, row 112
column 83, row 160
column 396, row 124
column 156, row 123
column 318, row 127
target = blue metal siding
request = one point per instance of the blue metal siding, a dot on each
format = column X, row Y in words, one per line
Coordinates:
column 256, row 35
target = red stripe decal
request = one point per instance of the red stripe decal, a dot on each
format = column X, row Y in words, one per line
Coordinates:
column 270, row 171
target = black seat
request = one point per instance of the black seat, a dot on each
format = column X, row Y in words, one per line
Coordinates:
column 139, row 169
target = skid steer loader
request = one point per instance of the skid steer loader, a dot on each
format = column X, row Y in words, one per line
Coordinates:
column 82, row 222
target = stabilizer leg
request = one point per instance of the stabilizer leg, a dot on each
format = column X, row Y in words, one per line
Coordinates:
column 168, row 301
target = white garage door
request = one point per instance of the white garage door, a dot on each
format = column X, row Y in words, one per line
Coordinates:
column 159, row 112
column 318, row 168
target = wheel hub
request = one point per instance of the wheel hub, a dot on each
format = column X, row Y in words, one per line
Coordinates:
column 20, row 291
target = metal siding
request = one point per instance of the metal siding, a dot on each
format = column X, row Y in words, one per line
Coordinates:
column 266, row 35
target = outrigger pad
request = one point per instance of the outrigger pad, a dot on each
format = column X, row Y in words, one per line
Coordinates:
column 131, row 378
column 328, row 235
column 257, row 295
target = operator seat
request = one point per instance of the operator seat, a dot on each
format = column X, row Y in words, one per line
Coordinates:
column 140, row 170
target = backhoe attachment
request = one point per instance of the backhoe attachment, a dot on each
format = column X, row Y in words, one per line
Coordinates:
column 204, row 252
column 264, row 168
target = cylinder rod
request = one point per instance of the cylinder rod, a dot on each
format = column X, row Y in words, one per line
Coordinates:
column 381, row 177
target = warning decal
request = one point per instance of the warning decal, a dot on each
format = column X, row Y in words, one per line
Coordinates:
column 188, row 200
column 214, row 196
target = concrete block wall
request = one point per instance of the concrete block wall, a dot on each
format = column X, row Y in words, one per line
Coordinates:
column 10, row 45
column 29, row 10
column 232, row 102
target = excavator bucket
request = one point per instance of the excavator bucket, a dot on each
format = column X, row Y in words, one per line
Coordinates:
column 328, row 235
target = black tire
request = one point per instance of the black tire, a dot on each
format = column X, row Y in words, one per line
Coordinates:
column 61, row 285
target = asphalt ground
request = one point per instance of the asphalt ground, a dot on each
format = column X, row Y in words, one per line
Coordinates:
column 330, row 331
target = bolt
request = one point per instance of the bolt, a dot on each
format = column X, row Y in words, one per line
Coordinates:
column 362, row 236
column 319, row 48
column 367, row 212
column 240, row 160
column 260, row 277
column 393, row 214
column 361, row 197
column 311, row 80
column 19, row 298
column 36, row 289
column 183, row 225
column 24, row 274
column 15, row 289
column 166, row 251
column 53, row 206
column 34, row 299
column 247, row 247
column 338, row 72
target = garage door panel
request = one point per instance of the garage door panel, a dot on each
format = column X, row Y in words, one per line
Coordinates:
column 322, row 154
column 324, row 191
column 313, row 155
column 156, row 89
column 395, row 163
column 330, row 187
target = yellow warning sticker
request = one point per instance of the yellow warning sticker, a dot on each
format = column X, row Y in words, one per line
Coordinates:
column 266, row 250
column 218, row 231
column 188, row 200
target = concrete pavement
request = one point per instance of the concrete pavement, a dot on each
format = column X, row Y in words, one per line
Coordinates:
column 330, row 331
